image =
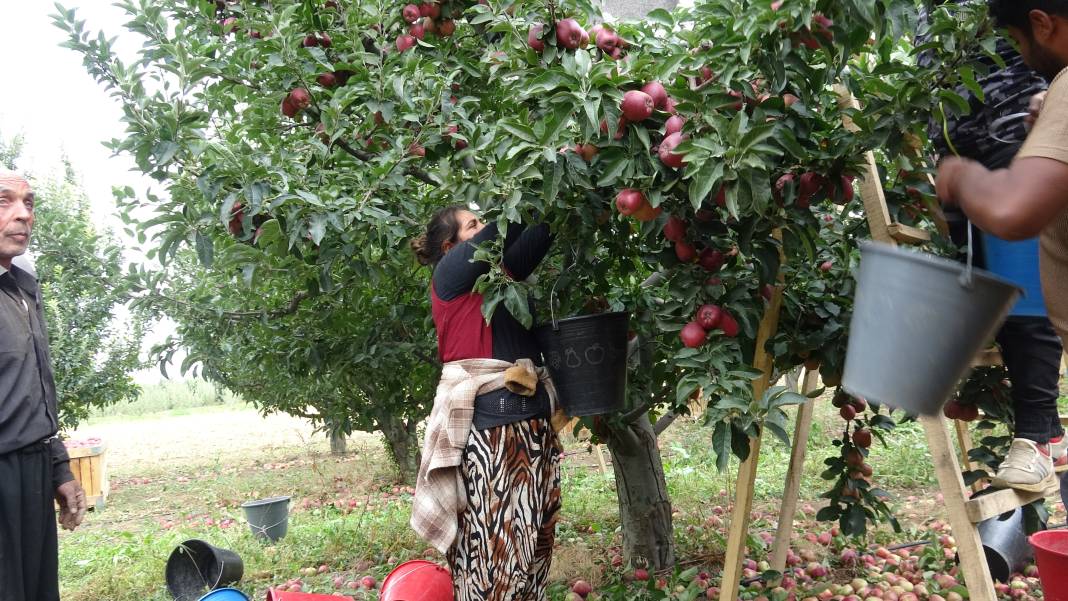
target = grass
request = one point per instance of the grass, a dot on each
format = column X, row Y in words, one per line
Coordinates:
column 120, row 553
column 169, row 398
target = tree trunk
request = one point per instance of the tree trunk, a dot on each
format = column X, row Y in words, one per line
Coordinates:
column 338, row 443
column 644, row 505
column 402, row 442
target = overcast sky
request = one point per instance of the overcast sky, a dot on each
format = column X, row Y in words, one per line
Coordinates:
column 47, row 96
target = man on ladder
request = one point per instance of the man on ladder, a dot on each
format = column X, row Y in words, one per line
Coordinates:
column 1030, row 348
column 1029, row 197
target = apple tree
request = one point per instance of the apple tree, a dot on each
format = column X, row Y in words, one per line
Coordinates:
column 693, row 166
column 94, row 340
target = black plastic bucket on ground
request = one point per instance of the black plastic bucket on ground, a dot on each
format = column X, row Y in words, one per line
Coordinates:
column 1006, row 546
column 196, row 568
column 268, row 518
column 918, row 321
column 587, row 358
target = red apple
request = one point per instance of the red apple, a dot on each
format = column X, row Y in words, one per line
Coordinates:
column 629, row 200
column 324, row 40
column 739, row 103
column 569, row 34
column 709, row 316
column 808, row 185
column 300, row 98
column 647, row 212
column 675, row 229
column 862, row 438
column 711, row 259
column 656, row 91
column 729, row 325
column 534, row 38
column 310, row 40
column 721, row 197
column 288, row 109
column 673, row 125
column 417, row 31
column 693, row 336
column 780, row 185
column 685, row 251
column 446, row 28
column 637, row 106
column 327, row 80
column 404, row 42
column 667, row 153
column 586, row 151
column 581, row 588
column 410, row 13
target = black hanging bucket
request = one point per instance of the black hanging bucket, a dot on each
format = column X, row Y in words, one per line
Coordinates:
column 196, row 567
column 587, row 358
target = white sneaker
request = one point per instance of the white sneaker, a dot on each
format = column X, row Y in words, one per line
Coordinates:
column 1025, row 468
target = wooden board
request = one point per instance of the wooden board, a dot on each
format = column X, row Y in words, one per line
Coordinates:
column 743, row 502
column 89, row 466
column 973, row 563
column 906, row 234
column 802, row 427
column 997, row 503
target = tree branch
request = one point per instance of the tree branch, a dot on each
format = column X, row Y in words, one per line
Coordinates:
column 289, row 309
column 637, row 412
column 415, row 172
column 665, row 420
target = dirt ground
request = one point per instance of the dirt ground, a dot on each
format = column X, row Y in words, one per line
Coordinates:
column 203, row 438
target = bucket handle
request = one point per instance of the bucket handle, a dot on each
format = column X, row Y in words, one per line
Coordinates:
column 965, row 278
column 998, row 125
column 188, row 551
column 552, row 310
column 263, row 529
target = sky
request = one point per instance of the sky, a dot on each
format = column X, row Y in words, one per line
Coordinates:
column 48, row 97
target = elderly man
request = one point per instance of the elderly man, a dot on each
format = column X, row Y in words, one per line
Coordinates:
column 34, row 467
column 1030, row 196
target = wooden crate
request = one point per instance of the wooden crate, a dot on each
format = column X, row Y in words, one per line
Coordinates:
column 89, row 466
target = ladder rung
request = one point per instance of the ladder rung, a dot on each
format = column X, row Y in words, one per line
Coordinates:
column 997, row 503
column 906, row 234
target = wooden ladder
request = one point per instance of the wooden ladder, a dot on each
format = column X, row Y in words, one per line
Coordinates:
column 964, row 513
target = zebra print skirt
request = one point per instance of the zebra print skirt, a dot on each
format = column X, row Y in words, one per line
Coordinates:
column 504, row 543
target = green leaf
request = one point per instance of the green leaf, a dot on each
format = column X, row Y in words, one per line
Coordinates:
column 517, row 305
column 205, row 249
column 704, row 181
column 662, row 17
column 721, row 444
column 614, row 170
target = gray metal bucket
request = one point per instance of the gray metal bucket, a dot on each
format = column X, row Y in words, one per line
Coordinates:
column 268, row 518
column 917, row 324
column 1006, row 546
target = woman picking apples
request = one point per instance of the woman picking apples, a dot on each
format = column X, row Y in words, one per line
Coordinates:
column 488, row 490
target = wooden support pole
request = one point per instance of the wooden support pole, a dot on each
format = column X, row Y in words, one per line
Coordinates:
column 743, row 500
column 792, row 488
column 973, row 563
column 964, row 440
column 600, row 460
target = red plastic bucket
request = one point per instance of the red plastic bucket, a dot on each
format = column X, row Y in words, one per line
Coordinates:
column 417, row 580
column 277, row 595
column 1051, row 555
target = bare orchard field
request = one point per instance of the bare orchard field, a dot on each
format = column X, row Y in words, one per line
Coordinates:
column 184, row 473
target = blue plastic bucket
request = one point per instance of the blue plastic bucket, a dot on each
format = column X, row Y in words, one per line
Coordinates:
column 225, row 594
